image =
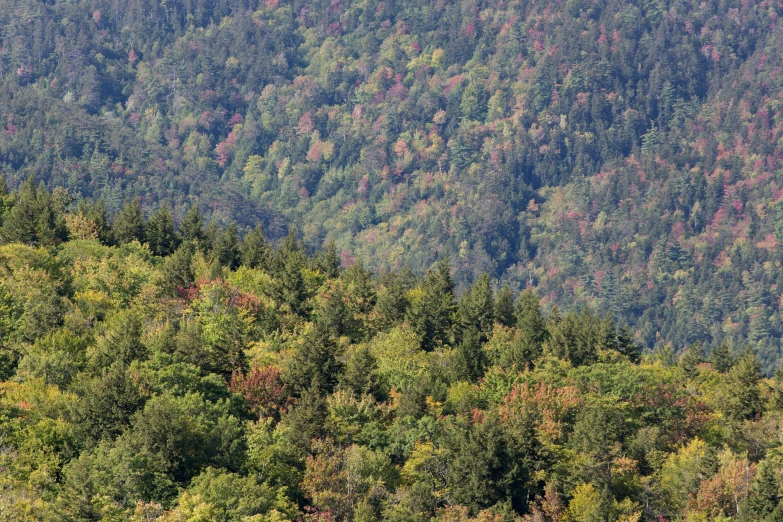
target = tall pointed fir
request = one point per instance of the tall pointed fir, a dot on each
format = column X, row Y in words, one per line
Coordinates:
column 432, row 315
column 129, row 224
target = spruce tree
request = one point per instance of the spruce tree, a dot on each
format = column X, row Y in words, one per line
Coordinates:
column 33, row 219
column 471, row 360
column 287, row 264
column 721, row 358
column 327, row 261
column 530, row 322
column 161, row 234
column 178, row 268
column 129, row 224
column 254, row 251
column 95, row 213
column 191, row 227
column 504, row 307
column 692, row 357
column 225, row 248
column 476, row 308
column 432, row 315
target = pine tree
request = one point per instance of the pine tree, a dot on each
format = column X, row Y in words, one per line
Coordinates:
column 286, row 266
column 191, row 227
column 225, row 248
column 129, row 224
column 721, row 358
column 692, row 357
column 530, row 322
column 254, row 251
column 471, row 360
column 161, row 234
column 178, row 268
column 504, row 307
column 327, row 261
column 476, row 308
column 432, row 316
column 33, row 219
column 95, row 212
column 744, row 398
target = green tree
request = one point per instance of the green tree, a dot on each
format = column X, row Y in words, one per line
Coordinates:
column 34, row 218
column 254, row 251
column 178, row 268
column 160, row 233
column 504, row 307
column 721, row 358
column 432, row 315
column 225, row 247
column 530, row 321
column 129, row 224
column 191, row 227
column 476, row 308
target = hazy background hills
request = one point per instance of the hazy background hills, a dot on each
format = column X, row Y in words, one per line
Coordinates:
column 623, row 155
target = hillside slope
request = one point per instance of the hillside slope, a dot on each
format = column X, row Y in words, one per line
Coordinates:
column 623, row 155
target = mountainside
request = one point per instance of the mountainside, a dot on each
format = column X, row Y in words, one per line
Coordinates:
column 620, row 155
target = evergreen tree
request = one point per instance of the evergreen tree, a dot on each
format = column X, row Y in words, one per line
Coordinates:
column 327, row 261
column 191, row 228
column 161, row 234
column 504, row 307
column 129, row 224
column 286, row 266
column 361, row 375
column 254, row 251
column 316, row 363
column 95, row 212
column 530, row 322
column 692, row 357
column 476, row 308
column 721, row 358
column 178, row 268
column 470, row 357
column 225, row 248
column 627, row 346
column 362, row 284
column 33, row 219
column 392, row 301
column 743, row 394
column 432, row 315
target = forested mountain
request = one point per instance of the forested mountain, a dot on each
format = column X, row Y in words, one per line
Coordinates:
column 621, row 155
column 154, row 373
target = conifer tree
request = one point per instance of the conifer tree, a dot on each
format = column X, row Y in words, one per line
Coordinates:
column 504, row 307
column 287, row 264
column 476, row 308
column 432, row 316
column 471, row 360
column 327, row 261
column 191, row 227
column 33, row 219
column 691, row 359
column 254, row 251
column 744, row 398
column 530, row 322
column 95, row 213
column 178, row 268
column 721, row 358
column 161, row 234
column 129, row 224
column 225, row 247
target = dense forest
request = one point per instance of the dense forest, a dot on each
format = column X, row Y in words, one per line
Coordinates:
column 623, row 156
column 153, row 372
